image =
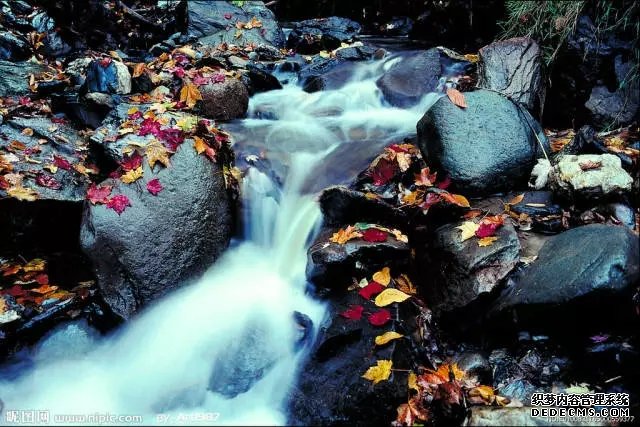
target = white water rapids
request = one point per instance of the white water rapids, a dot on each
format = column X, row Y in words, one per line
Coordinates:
column 161, row 364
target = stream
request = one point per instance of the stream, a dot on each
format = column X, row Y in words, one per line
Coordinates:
column 227, row 348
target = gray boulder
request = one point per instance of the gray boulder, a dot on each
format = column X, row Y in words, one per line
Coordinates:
column 459, row 272
column 15, row 77
column 408, row 80
column 513, row 67
column 487, row 147
column 224, row 101
column 160, row 242
column 582, row 272
column 215, row 22
column 12, row 47
column 313, row 35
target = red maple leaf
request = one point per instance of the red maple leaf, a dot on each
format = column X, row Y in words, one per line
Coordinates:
column 48, row 181
column 98, row 194
column 172, row 138
column 371, row 289
column 134, row 161
column 353, row 313
column 374, row 235
column 14, row 291
column 61, row 162
column 486, row 230
column 154, row 186
column 200, row 80
column 42, row 279
column 218, row 78
column 149, row 126
column 380, row 317
column 119, row 203
column 178, row 72
column 383, row 172
column 135, row 116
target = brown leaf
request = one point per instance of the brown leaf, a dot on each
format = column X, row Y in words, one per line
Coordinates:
column 156, row 152
column 190, row 94
column 27, row 131
column 590, row 164
column 456, row 97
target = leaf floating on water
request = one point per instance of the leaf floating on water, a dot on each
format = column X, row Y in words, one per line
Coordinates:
column 380, row 317
column 383, row 276
column 468, row 229
column 389, row 296
column 386, row 337
column 353, row 313
column 380, row 372
column 457, row 97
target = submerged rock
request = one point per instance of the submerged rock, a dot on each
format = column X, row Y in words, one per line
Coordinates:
column 490, row 146
column 582, row 278
column 513, row 67
column 160, row 242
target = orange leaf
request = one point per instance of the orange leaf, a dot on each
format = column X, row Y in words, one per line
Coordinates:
column 456, row 97
column 138, row 69
column 456, row 199
column 342, row 236
column 190, row 94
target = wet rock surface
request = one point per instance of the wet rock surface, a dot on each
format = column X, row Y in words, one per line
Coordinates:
column 225, row 101
column 190, row 225
column 490, row 146
column 313, row 35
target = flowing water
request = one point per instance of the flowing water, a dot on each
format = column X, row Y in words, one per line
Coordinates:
column 228, row 347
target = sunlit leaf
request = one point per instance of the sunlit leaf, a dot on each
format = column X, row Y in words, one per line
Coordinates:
column 389, row 296
column 386, row 337
column 380, row 372
column 383, row 276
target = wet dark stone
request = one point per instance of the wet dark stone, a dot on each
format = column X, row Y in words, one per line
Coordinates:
column 261, row 80
column 539, row 206
column 485, row 148
column 12, row 47
column 341, row 206
column 224, row 101
column 585, row 270
column 313, row 35
column 15, row 80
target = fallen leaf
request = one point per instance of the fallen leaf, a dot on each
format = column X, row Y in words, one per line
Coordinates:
column 134, row 161
column 190, row 94
column 119, row 203
column 590, row 164
column 489, row 225
column 383, row 276
column 456, row 97
column 456, row 199
column 373, row 235
column 380, row 372
column 517, row 199
column 448, row 371
column 157, row 152
column 22, row 193
column 47, row 181
column 487, row 241
column 342, row 236
column 353, row 313
column 132, row 175
column 468, row 229
column 61, row 162
column 380, row 317
column 154, row 186
column 99, row 194
column 425, row 178
column 389, row 296
column 386, row 337
column 412, row 382
column 36, row 264
column 370, row 290
column 27, row 131
column 138, row 69
column 44, row 289
column 383, row 172
column 482, row 394
column 405, row 285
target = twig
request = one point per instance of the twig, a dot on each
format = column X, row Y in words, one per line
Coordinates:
column 136, row 16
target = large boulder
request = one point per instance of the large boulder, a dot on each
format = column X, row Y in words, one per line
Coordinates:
column 458, row 272
column 225, row 100
column 160, row 242
column 215, row 22
column 513, row 67
column 583, row 278
column 412, row 77
column 313, row 35
column 490, row 146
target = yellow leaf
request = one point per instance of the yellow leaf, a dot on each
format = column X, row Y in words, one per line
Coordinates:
column 199, row 144
column 445, row 369
column 457, row 97
column 412, row 382
column 468, row 229
column 413, row 198
column 383, row 276
column 482, row 394
column 487, row 241
column 404, row 284
column 27, row 131
column 187, row 50
column 399, row 236
column 386, row 337
column 156, row 152
column 456, row 199
column 21, row 193
column 389, row 296
column 380, row 372
column 190, row 94
column 516, row 199
column 132, row 175
column 187, row 123
column 471, row 57
column 324, row 54
column 138, row 69
column 51, row 168
column 342, row 236
column 404, row 161
column 36, row 264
